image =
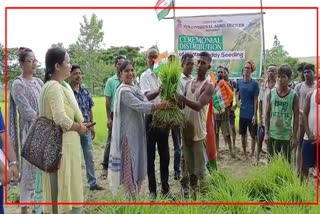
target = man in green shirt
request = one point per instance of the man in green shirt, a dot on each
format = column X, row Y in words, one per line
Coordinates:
column 109, row 92
column 282, row 106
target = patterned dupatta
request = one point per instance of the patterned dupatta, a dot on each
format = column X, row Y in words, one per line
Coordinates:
column 115, row 159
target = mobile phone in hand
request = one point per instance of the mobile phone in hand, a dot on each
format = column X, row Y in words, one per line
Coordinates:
column 91, row 125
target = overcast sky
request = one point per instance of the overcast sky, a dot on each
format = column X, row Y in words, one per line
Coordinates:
column 38, row 29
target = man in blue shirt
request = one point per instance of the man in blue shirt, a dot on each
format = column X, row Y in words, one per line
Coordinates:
column 85, row 102
column 248, row 89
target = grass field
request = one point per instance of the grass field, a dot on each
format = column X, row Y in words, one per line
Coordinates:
column 275, row 182
column 100, row 118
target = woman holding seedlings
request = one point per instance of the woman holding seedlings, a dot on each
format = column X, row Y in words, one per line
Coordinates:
column 128, row 152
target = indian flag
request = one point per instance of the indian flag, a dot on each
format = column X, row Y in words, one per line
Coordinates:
column 211, row 140
column 161, row 59
column 163, row 12
column 211, row 136
column 223, row 95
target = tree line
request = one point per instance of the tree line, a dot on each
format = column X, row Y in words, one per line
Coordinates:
column 97, row 63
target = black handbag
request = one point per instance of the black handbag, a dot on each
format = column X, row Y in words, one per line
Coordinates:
column 43, row 146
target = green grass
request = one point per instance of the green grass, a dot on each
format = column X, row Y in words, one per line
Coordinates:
column 1, row 95
column 264, row 183
column 99, row 116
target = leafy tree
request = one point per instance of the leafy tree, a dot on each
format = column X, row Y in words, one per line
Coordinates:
column 13, row 64
column 134, row 54
column 40, row 72
column 91, row 34
column 86, row 52
column 278, row 55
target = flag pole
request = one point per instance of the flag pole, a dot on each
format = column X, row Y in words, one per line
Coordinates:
column 174, row 29
column 263, row 40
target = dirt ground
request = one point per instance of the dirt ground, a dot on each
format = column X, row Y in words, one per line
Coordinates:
column 238, row 166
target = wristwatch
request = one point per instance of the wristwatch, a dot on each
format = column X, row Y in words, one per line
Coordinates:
column 13, row 163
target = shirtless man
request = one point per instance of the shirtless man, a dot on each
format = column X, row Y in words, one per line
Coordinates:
column 309, row 147
column 302, row 89
column 198, row 94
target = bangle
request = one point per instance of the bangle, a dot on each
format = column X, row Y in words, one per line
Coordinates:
column 13, row 163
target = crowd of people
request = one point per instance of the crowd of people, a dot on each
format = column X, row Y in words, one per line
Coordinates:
column 272, row 111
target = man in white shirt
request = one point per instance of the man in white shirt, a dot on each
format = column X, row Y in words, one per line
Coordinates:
column 150, row 86
column 187, row 65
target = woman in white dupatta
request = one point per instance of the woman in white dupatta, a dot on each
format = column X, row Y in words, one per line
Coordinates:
column 128, row 152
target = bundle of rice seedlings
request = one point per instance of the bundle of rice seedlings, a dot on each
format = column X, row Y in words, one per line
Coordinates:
column 257, row 185
column 280, row 172
column 169, row 74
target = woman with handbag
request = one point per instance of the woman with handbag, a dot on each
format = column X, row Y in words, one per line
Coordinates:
column 57, row 103
column 25, row 91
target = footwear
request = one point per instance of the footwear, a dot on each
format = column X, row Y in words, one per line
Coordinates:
column 104, row 174
column 152, row 196
column 177, row 176
column 96, row 187
column 185, row 192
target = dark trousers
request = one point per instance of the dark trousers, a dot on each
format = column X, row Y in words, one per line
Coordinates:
column 105, row 162
column 106, row 153
column 159, row 137
column 176, row 137
column 282, row 147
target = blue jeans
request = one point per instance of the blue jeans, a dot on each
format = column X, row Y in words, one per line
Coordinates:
column 86, row 144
